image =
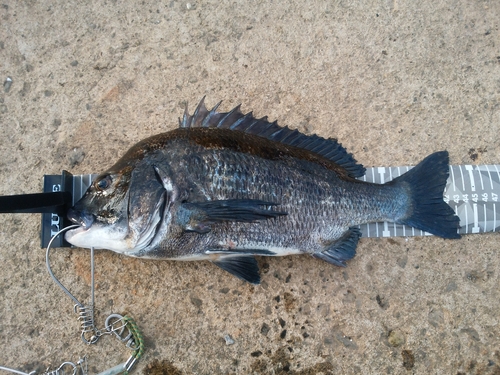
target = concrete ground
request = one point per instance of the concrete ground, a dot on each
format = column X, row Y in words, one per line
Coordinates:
column 392, row 80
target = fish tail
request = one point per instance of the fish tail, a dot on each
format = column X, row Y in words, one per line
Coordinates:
column 425, row 185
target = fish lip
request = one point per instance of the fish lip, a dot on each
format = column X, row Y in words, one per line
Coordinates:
column 85, row 220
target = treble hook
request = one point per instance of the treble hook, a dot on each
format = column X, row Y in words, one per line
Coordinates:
column 86, row 313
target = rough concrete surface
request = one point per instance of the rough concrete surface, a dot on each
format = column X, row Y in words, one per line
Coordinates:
column 392, row 80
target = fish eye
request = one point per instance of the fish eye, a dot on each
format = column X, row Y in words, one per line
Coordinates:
column 103, row 183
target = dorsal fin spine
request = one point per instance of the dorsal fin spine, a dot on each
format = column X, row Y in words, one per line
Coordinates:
column 211, row 114
column 235, row 120
column 240, row 121
column 227, row 121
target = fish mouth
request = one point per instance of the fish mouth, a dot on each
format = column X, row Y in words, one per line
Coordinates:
column 83, row 219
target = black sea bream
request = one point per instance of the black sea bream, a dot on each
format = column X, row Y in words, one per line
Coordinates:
column 225, row 187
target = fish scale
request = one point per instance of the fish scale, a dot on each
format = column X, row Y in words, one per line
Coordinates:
column 266, row 186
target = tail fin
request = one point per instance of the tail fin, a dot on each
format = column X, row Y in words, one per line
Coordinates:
column 428, row 211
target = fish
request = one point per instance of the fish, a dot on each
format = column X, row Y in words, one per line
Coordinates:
column 227, row 186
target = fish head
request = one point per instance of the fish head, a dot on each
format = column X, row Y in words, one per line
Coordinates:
column 121, row 211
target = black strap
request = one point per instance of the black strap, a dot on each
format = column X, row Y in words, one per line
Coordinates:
column 54, row 202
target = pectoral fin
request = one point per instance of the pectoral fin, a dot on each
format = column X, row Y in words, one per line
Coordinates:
column 198, row 216
column 243, row 267
column 341, row 250
column 262, row 252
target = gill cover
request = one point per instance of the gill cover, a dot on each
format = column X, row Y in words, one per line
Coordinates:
column 148, row 198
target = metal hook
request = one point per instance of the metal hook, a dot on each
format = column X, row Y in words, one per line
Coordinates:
column 85, row 313
column 47, row 262
column 58, row 370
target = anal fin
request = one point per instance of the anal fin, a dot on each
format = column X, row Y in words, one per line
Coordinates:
column 243, row 267
column 341, row 250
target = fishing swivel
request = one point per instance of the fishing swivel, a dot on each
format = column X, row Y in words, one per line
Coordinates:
column 127, row 332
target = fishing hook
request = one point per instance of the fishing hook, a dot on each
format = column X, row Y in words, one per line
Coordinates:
column 85, row 313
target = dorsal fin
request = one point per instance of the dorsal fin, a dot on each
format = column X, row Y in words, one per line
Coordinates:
column 329, row 148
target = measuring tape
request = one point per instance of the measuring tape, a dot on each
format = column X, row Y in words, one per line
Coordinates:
column 472, row 191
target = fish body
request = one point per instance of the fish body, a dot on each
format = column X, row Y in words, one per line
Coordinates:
column 225, row 187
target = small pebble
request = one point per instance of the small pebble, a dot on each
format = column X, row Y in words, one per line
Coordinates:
column 396, row 338
column 229, row 340
column 7, row 84
column 76, row 157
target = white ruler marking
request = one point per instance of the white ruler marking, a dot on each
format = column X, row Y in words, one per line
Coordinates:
column 475, row 228
column 381, row 172
column 494, row 217
column 498, row 173
column 489, row 175
column 453, row 179
column 480, row 178
column 462, row 175
column 469, row 169
column 485, row 221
